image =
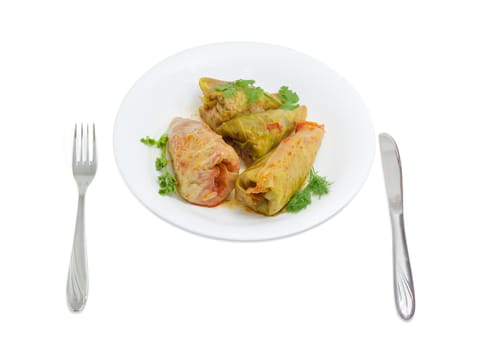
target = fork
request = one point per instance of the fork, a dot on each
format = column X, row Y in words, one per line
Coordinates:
column 83, row 168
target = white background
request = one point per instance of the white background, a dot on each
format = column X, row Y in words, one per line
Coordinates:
column 425, row 71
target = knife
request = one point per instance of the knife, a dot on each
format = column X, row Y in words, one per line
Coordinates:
column 403, row 279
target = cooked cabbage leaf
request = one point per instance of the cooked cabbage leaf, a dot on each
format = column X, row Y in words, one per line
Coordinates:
column 224, row 100
column 255, row 134
column 271, row 181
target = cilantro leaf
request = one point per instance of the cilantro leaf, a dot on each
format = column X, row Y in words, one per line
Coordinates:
column 228, row 89
column 289, row 98
column 244, row 83
column 253, row 94
column 225, row 86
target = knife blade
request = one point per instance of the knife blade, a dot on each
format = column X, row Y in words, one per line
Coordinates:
column 404, row 295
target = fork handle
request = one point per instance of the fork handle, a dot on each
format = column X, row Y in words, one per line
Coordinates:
column 77, row 282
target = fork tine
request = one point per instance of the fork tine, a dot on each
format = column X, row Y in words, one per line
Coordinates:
column 74, row 148
column 88, row 160
column 94, row 150
column 81, row 140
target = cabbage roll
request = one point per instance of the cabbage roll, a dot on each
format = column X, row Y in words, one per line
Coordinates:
column 205, row 166
column 218, row 108
column 255, row 134
column 268, row 185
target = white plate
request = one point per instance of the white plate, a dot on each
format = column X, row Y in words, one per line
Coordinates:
column 171, row 89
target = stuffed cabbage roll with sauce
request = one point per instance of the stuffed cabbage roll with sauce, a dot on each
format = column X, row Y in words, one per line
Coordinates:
column 205, row 166
column 218, row 107
column 253, row 135
column 268, row 185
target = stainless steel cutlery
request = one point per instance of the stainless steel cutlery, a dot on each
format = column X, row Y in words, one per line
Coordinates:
column 403, row 279
column 84, row 165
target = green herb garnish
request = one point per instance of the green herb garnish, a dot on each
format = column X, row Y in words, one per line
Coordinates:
column 167, row 183
column 317, row 185
column 161, row 163
column 163, row 141
column 299, row 201
column 289, row 98
column 244, row 83
column 228, row 89
column 148, row 141
column 253, row 93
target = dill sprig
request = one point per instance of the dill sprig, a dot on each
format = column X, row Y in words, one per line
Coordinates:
column 317, row 185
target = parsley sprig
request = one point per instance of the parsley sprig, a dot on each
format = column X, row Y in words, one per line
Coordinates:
column 317, row 185
column 244, row 83
column 228, row 89
column 167, row 183
column 253, row 93
column 288, row 98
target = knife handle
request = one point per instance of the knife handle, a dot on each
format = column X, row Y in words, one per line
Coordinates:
column 403, row 279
